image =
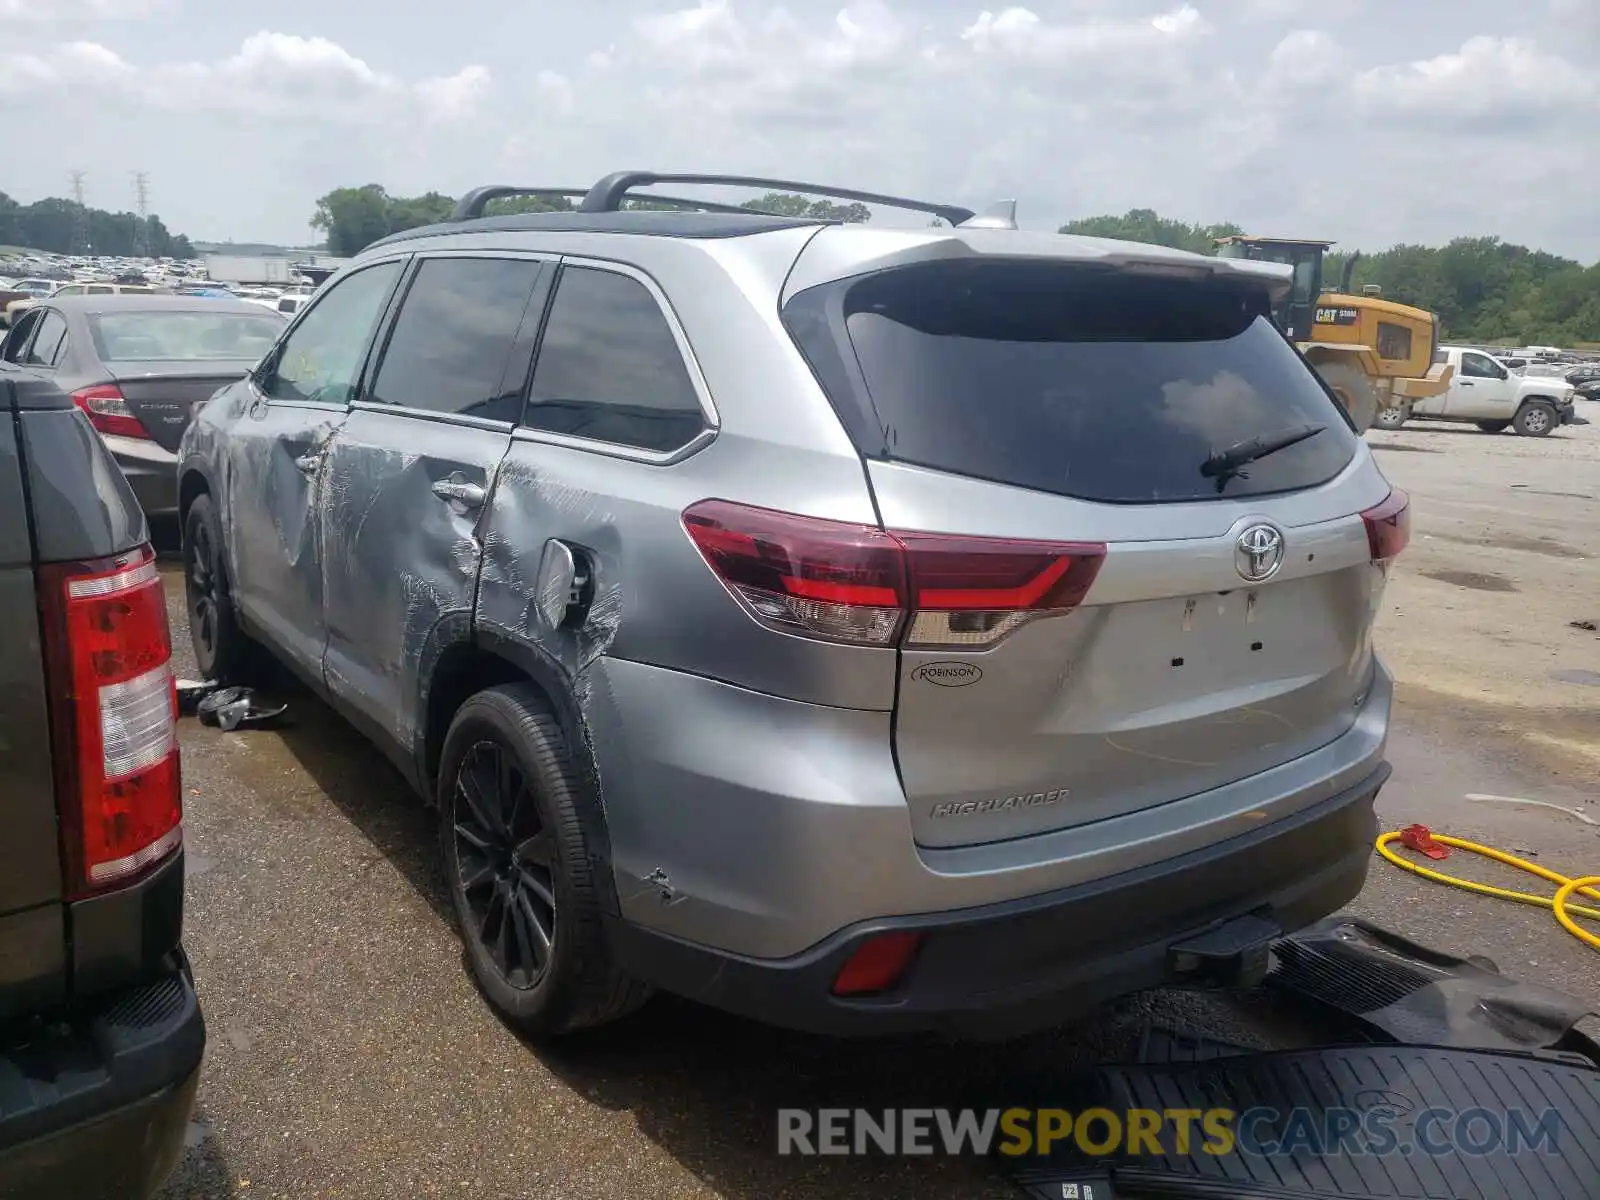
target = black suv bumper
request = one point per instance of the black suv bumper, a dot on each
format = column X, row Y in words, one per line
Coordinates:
column 97, row 1107
column 1037, row 962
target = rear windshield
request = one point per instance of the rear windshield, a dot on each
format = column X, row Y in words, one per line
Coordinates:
column 1101, row 385
column 183, row 336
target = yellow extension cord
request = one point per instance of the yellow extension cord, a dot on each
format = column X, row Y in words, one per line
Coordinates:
column 1566, row 888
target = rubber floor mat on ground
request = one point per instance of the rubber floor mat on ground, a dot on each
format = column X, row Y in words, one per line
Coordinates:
column 1363, row 1122
column 1402, row 991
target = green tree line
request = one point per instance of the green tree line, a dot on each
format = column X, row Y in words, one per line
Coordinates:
column 352, row 218
column 52, row 224
column 1484, row 289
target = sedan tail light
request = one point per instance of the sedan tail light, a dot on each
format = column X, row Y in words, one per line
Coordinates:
column 108, row 412
column 859, row 584
column 114, row 718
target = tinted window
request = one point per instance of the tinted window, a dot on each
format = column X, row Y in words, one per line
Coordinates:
column 102, row 289
column 72, row 289
column 1110, row 387
column 609, row 367
column 450, row 346
column 49, row 341
column 322, row 358
column 17, row 337
column 158, row 336
column 1394, row 341
column 1479, row 366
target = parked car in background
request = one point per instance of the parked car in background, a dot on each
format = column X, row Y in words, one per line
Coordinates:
column 15, row 310
column 922, row 689
column 21, row 295
column 101, row 1035
column 137, row 364
column 1486, row 393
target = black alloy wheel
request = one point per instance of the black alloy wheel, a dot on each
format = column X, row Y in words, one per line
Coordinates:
column 506, row 864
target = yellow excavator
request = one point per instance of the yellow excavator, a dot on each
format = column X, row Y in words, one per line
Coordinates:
column 1372, row 353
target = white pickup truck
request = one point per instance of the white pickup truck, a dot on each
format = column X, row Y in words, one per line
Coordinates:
column 1485, row 392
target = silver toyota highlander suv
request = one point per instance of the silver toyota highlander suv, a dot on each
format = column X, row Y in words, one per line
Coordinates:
column 861, row 628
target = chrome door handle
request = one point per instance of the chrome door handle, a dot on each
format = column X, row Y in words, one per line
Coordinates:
column 458, row 491
column 307, row 464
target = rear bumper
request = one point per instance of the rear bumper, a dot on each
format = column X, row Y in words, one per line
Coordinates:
column 151, row 471
column 761, row 827
column 98, row 1107
column 1028, row 964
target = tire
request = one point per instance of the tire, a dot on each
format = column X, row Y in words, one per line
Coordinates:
column 1535, row 420
column 1494, row 426
column 222, row 650
column 521, row 867
column 1391, row 418
column 1354, row 391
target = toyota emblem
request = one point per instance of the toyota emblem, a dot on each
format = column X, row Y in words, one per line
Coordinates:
column 1258, row 553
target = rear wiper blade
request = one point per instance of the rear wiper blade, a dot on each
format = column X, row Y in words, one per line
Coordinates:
column 1224, row 463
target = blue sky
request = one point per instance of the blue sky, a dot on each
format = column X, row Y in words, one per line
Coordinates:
column 1369, row 122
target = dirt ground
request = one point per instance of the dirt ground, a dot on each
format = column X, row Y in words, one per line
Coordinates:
column 350, row 1055
column 1505, row 558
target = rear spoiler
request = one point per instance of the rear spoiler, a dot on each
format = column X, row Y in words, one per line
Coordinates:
column 826, row 259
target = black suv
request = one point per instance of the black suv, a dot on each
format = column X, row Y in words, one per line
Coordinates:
column 100, row 1031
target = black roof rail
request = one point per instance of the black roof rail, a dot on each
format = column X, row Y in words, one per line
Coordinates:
column 474, row 202
column 607, row 195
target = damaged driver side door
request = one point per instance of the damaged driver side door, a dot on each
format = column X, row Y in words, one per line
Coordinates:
column 295, row 401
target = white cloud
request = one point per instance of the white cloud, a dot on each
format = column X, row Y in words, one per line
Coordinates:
column 273, row 75
column 1489, row 81
column 84, row 62
column 1021, row 33
column 555, row 90
column 451, row 97
column 1305, row 61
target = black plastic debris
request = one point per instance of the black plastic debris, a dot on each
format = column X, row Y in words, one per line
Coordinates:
column 1400, row 991
column 229, row 708
column 191, row 692
column 1347, row 1123
column 1449, row 1079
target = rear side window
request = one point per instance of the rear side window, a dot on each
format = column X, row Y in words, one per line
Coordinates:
column 609, row 368
column 50, row 341
column 1103, row 386
column 454, row 336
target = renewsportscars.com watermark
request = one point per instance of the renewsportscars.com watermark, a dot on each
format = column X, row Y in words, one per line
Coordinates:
column 1098, row 1132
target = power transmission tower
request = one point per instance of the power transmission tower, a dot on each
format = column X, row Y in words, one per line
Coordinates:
column 80, row 215
column 141, row 196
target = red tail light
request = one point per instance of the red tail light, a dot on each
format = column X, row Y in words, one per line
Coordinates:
column 109, row 412
column 857, row 583
column 1389, row 526
column 114, row 723
column 877, row 964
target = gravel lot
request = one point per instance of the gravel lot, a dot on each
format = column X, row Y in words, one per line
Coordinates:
column 350, row 1055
